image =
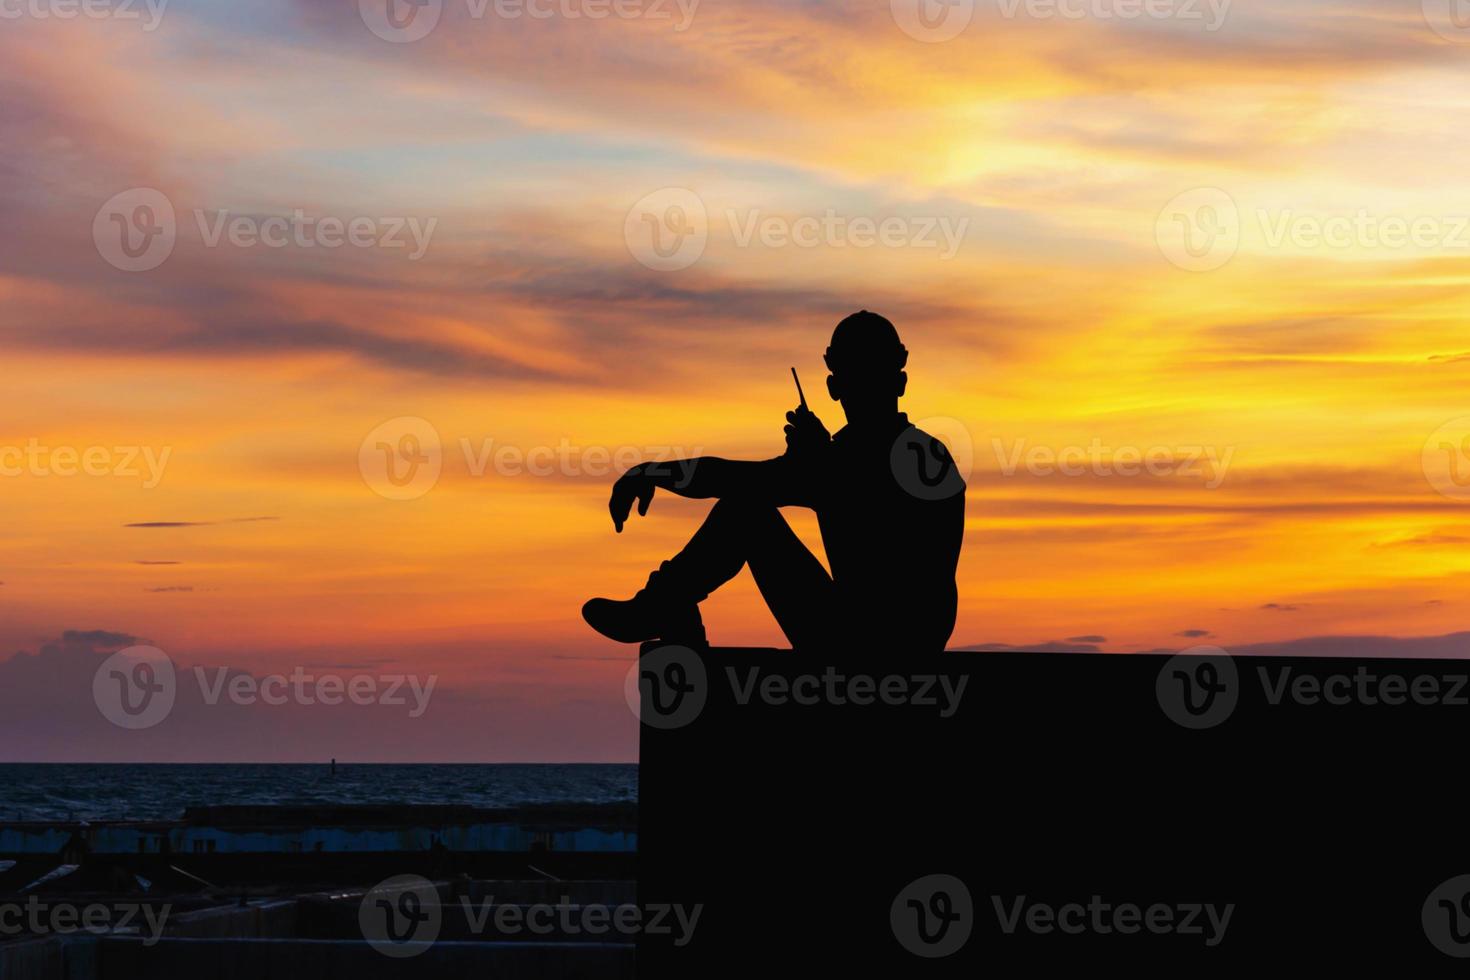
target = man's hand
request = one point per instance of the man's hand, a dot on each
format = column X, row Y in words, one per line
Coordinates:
column 805, row 433
column 632, row 485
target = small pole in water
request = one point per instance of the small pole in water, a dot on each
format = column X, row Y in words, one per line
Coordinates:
column 334, row 767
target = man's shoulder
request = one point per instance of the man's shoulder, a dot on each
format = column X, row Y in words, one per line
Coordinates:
column 873, row 432
column 925, row 467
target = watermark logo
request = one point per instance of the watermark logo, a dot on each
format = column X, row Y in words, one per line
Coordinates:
column 1446, row 917
column 932, row 21
column 401, row 916
column 402, row 458
column 1199, row 230
column 667, row 687
column 1445, row 459
column 668, row 229
column 1199, row 687
column 1450, row 19
column 929, row 466
column 401, row 21
column 135, row 687
column 135, row 230
column 933, row 916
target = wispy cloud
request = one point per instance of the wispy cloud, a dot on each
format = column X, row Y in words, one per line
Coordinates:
column 232, row 520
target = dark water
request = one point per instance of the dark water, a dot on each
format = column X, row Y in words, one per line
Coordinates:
column 63, row 791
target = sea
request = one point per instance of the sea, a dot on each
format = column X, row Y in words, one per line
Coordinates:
column 126, row 791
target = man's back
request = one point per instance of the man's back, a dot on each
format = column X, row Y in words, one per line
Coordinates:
column 892, row 514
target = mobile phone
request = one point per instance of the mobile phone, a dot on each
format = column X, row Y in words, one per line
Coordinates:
column 799, row 393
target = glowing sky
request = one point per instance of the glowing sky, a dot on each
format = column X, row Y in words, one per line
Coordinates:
column 1313, row 364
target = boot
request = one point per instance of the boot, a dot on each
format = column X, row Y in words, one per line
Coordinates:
column 658, row 612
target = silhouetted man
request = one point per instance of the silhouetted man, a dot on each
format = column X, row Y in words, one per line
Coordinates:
column 888, row 498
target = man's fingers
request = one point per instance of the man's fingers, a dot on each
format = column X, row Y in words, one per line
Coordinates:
column 621, row 504
column 804, row 417
column 618, row 508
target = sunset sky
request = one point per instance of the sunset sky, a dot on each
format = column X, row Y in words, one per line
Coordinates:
column 1307, row 351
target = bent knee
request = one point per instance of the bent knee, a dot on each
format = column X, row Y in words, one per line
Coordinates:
column 746, row 510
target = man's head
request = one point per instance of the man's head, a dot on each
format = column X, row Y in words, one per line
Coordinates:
column 867, row 362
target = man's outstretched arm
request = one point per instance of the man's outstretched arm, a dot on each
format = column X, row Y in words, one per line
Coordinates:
column 699, row 478
column 786, row 480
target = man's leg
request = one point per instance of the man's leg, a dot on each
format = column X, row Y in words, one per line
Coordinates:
column 794, row 584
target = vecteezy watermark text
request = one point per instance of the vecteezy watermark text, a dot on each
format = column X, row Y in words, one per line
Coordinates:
column 38, row 917
column 300, row 687
column 137, row 687
column 669, row 229
column 1202, row 228
column 136, row 230
column 37, row 460
column 1096, row 459
column 835, row 687
column 933, row 21
column 1104, row 918
column 403, row 458
column 1364, row 686
column 88, row 9
column 1210, row 13
column 1200, row 688
column 571, row 459
column 402, row 916
column 668, row 687
column 833, row 230
column 406, row 21
column 305, row 231
column 567, row 919
column 933, row 917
